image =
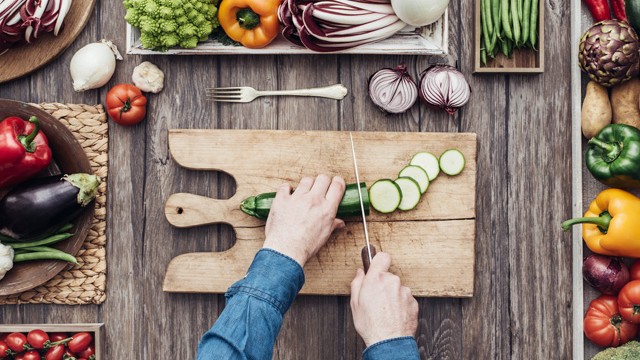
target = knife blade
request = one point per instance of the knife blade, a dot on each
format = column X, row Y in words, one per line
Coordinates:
column 368, row 251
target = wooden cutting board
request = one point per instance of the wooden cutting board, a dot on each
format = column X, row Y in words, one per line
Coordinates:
column 432, row 246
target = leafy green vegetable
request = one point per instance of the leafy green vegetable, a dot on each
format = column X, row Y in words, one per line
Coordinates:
column 628, row 351
column 164, row 24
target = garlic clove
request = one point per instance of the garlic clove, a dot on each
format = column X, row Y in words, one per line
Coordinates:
column 148, row 77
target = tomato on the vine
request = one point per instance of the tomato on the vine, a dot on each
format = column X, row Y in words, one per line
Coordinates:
column 68, row 354
column 4, row 350
column 57, row 336
column 37, row 338
column 86, row 353
column 16, row 341
column 55, row 353
column 126, row 105
column 80, row 342
column 604, row 325
column 31, row 355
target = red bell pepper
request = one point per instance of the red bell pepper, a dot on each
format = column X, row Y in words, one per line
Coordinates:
column 618, row 10
column 599, row 9
column 24, row 150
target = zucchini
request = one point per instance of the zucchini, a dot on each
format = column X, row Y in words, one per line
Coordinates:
column 452, row 162
column 385, row 196
column 428, row 162
column 410, row 193
column 418, row 174
column 260, row 205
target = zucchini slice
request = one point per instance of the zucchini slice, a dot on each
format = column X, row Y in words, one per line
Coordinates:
column 428, row 162
column 452, row 162
column 418, row 174
column 410, row 193
column 385, row 196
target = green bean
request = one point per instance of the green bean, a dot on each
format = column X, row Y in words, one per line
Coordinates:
column 45, row 255
column 526, row 21
column 21, row 251
column 65, row 228
column 506, row 26
column 519, row 7
column 485, row 25
column 515, row 21
column 487, row 6
column 46, row 241
column 495, row 13
column 505, row 47
column 533, row 28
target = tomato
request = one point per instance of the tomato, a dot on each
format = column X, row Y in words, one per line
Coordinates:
column 80, row 342
column 629, row 301
column 3, row 336
column 634, row 270
column 604, row 325
column 16, row 341
column 55, row 337
column 31, row 355
column 55, row 353
column 126, row 105
column 37, row 339
column 4, row 350
column 68, row 354
column 86, row 352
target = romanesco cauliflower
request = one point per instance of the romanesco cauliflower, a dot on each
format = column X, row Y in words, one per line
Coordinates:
column 164, row 24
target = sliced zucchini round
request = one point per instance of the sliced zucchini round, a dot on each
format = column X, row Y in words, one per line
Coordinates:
column 410, row 193
column 418, row 174
column 385, row 196
column 452, row 162
column 428, row 162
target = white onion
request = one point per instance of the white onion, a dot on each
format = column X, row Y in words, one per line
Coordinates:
column 393, row 90
column 93, row 65
column 444, row 87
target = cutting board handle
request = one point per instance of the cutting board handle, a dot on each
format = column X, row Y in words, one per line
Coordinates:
column 185, row 210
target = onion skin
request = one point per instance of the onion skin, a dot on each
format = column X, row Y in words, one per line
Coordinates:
column 444, row 87
column 393, row 90
column 604, row 273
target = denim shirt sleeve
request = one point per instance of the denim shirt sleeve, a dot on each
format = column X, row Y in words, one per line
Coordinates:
column 401, row 348
column 248, row 326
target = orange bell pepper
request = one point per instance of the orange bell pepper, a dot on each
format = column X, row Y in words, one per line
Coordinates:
column 253, row 23
column 611, row 226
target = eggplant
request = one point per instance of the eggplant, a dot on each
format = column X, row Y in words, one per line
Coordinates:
column 41, row 206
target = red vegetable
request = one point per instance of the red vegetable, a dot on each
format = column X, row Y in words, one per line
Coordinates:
column 37, row 338
column 629, row 302
column 4, row 350
column 634, row 271
column 55, row 353
column 86, row 353
column 17, row 341
column 606, row 274
column 80, row 342
column 31, row 355
column 604, row 325
column 126, row 105
column 57, row 336
column 619, row 11
column 599, row 9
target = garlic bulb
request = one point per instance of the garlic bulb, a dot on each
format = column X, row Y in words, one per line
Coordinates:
column 148, row 77
column 93, row 65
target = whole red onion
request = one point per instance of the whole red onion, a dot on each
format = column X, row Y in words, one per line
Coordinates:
column 606, row 274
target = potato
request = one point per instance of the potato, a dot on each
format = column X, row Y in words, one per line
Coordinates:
column 625, row 103
column 596, row 110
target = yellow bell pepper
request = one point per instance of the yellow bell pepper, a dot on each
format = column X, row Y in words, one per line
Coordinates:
column 253, row 23
column 611, row 226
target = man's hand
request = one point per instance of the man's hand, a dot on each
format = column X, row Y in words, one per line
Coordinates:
column 382, row 308
column 301, row 222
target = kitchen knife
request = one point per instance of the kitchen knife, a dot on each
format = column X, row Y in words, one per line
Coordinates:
column 368, row 251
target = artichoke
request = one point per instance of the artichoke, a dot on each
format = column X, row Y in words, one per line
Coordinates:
column 609, row 52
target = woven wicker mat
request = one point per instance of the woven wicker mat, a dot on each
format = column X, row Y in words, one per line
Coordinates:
column 83, row 283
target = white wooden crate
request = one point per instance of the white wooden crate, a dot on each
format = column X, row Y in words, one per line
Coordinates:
column 427, row 40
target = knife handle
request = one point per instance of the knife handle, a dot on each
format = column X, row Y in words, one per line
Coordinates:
column 365, row 257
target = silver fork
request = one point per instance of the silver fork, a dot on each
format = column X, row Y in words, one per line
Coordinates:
column 245, row 94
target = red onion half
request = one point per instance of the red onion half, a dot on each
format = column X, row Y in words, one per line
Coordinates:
column 606, row 274
column 393, row 90
column 444, row 87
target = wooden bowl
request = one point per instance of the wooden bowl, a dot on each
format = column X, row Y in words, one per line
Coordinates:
column 70, row 158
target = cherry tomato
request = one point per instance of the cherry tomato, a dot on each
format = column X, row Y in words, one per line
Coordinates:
column 16, row 341
column 69, row 355
column 31, row 355
column 55, row 353
column 4, row 350
column 37, row 338
column 57, row 336
column 80, row 342
column 86, row 353
column 126, row 105
column 19, row 357
column 604, row 325
column 3, row 336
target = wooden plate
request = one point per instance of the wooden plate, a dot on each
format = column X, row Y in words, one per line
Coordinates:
column 70, row 158
column 24, row 59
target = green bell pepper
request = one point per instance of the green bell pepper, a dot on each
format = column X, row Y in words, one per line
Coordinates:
column 632, row 9
column 613, row 156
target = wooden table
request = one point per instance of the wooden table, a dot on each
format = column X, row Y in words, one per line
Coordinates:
column 522, row 303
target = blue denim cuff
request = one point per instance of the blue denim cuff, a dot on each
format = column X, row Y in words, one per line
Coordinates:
column 401, row 348
column 272, row 277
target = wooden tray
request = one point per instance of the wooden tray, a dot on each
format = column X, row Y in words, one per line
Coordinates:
column 522, row 60
column 432, row 246
column 427, row 40
column 71, row 158
column 96, row 329
column 22, row 60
